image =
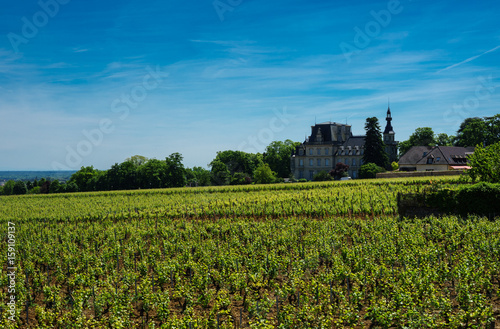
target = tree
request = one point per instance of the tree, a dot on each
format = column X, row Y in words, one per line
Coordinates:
column 122, row 176
column 99, row 181
column 234, row 162
column 55, row 187
column 137, row 160
column 70, row 187
column 175, row 171
column 35, row 190
column 339, row 171
column 198, row 176
column 152, row 174
column 8, row 188
column 220, row 175
column 264, row 175
column 472, row 131
column 485, row 163
column 83, row 178
column 421, row 137
column 45, row 187
column 19, row 188
column 493, row 124
column 370, row 170
column 239, row 161
column 374, row 145
column 443, row 139
column 278, row 154
column 29, row 185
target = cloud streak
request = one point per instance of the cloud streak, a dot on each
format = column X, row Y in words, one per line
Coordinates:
column 470, row 59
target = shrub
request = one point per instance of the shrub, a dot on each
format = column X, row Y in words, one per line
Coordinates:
column 322, row 176
column 485, row 164
column 370, row 170
column 339, row 171
column 264, row 175
column 240, row 178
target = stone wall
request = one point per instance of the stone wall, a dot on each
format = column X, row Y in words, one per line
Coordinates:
column 396, row 174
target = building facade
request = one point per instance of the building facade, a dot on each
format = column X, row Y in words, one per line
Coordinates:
column 435, row 158
column 331, row 143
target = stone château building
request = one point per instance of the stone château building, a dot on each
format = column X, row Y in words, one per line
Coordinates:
column 332, row 142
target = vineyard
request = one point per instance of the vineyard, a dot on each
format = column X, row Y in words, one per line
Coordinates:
column 311, row 255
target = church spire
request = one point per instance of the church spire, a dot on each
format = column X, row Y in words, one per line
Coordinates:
column 388, row 126
column 389, row 137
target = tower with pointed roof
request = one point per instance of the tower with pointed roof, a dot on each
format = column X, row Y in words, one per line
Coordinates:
column 391, row 145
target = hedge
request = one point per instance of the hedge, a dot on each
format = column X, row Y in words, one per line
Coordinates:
column 481, row 198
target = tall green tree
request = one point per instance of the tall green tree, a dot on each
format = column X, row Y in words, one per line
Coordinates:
column 198, row 176
column 137, row 160
column 152, row 174
column 443, row 139
column 175, row 171
column 8, row 188
column 472, row 131
column 278, row 154
column 423, row 136
column 82, row 178
column 219, row 173
column 19, row 188
column 122, row 176
column 374, row 144
column 56, row 187
column 493, row 124
column 234, row 162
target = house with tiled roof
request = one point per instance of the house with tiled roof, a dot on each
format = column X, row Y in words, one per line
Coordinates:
column 435, row 158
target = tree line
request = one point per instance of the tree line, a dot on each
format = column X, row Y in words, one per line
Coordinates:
column 139, row 172
column 238, row 167
column 472, row 131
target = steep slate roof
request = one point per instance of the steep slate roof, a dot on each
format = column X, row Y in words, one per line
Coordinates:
column 355, row 141
column 326, row 131
column 414, row 154
column 451, row 155
column 388, row 126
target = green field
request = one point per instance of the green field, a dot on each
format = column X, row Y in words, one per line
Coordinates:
column 311, row 255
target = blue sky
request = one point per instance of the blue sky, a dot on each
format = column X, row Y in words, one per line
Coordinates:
column 94, row 82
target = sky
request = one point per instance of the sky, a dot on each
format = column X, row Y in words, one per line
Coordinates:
column 94, row 82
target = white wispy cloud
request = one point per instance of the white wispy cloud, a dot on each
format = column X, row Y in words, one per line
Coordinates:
column 470, row 59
